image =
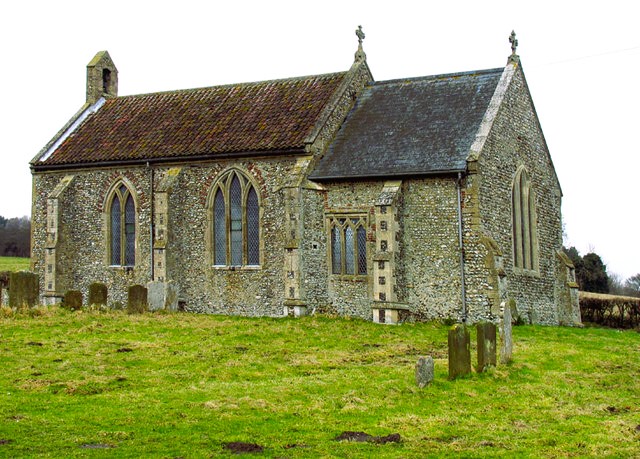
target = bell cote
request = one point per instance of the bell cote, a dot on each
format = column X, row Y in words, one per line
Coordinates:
column 102, row 78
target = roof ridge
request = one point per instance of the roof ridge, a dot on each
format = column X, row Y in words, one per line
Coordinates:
column 439, row 76
column 322, row 76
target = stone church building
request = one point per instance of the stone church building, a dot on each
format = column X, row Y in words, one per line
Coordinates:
column 412, row 199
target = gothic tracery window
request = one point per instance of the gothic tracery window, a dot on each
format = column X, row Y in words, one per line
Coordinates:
column 525, row 255
column 348, row 242
column 122, row 227
column 236, row 221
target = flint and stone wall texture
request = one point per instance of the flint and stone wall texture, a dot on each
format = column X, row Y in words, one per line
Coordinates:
column 516, row 140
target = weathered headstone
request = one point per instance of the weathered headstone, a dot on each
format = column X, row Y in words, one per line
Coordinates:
column 97, row 294
column 137, row 299
column 459, row 351
column 486, row 340
column 4, row 283
column 162, row 296
column 424, row 371
column 506, row 341
column 73, row 300
column 24, row 289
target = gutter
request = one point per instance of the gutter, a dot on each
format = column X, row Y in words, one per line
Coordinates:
column 163, row 160
column 327, row 178
column 461, row 246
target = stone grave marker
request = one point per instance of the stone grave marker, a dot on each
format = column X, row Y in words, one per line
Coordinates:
column 424, row 371
column 98, row 294
column 459, row 351
column 137, row 299
column 486, row 341
column 506, row 341
column 24, row 289
column 73, row 300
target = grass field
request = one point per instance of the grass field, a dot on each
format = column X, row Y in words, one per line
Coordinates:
column 88, row 384
column 14, row 264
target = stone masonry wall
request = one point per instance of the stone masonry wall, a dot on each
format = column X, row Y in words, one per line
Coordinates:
column 431, row 249
column 427, row 273
column 83, row 237
column 515, row 140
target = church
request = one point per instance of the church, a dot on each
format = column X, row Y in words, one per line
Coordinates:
column 424, row 198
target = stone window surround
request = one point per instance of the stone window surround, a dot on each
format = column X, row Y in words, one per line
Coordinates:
column 223, row 180
column 362, row 215
column 523, row 224
column 110, row 195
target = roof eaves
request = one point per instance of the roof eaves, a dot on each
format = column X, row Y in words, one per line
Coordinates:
column 412, row 174
column 164, row 160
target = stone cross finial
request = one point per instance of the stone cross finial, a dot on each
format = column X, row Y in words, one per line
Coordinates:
column 360, row 35
column 514, row 46
column 360, row 55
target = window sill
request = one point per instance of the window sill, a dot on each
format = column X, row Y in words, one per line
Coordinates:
column 237, row 268
column 126, row 269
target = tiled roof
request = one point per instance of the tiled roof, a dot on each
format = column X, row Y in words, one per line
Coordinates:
column 410, row 127
column 251, row 117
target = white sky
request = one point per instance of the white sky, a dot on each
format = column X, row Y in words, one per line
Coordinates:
column 581, row 59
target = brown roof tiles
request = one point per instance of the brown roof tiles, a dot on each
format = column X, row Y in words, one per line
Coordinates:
column 251, row 117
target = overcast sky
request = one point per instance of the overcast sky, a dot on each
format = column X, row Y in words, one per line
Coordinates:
column 581, row 60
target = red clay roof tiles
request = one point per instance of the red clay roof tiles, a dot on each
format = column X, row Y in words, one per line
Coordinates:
column 251, row 117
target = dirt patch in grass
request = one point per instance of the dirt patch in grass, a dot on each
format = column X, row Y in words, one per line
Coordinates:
column 4, row 441
column 239, row 447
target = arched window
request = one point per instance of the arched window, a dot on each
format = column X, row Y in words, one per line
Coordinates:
column 348, row 245
column 122, row 227
column 523, row 222
column 236, row 221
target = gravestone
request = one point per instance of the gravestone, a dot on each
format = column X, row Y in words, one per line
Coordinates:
column 506, row 341
column 162, row 296
column 486, row 340
column 98, row 294
column 24, row 289
column 4, row 283
column 137, row 299
column 459, row 351
column 424, row 371
column 73, row 300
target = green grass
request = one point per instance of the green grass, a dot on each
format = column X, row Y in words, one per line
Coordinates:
column 182, row 385
column 14, row 264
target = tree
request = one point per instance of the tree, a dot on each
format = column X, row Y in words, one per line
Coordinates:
column 591, row 272
column 595, row 278
column 616, row 284
column 632, row 285
column 15, row 237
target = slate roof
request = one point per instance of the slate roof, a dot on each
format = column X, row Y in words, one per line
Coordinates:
column 415, row 126
column 263, row 117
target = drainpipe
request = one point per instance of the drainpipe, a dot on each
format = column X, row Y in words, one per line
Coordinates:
column 151, row 272
column 461, row 247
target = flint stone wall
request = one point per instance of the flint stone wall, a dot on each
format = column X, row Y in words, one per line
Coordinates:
column 82, row 248
column 515, row 140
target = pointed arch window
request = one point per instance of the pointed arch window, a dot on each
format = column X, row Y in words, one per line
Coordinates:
column 236, row 221
column 122, row 227
column 348, row 239
column 523, row 222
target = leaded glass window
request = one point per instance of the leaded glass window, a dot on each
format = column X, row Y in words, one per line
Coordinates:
column 523, row 222
column 236, row 221
column 122, row 228
column 348, row 245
